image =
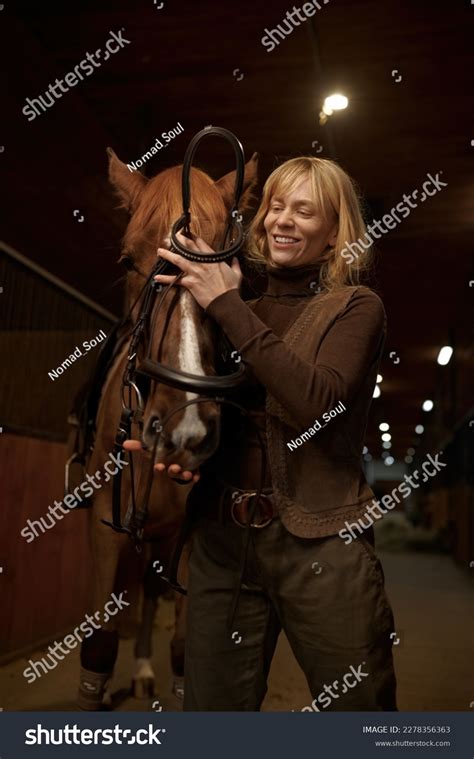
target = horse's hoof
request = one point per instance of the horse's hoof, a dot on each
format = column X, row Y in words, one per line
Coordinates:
column 178, row 687
column 143, row 687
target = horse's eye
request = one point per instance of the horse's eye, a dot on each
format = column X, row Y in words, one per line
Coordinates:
column 127, row 262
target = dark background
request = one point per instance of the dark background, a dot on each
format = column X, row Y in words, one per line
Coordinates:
column 179, row 68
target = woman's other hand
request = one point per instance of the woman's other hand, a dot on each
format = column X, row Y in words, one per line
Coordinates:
column 174, row 470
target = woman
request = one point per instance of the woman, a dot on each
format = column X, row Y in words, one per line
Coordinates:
column 313, row 342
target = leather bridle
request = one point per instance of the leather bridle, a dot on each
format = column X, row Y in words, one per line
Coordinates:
column 153, row 369
column 235, row 218
column 209, row 388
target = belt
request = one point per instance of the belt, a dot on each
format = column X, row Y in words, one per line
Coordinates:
column 237, row 506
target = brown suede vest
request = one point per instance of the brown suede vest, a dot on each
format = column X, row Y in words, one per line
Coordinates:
column 321, row 484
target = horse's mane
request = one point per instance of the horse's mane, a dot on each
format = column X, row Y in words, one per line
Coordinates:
column 161, row 206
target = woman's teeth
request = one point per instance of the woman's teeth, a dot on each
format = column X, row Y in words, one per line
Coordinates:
column 285, row 240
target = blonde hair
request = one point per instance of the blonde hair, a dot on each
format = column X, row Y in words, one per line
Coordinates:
column 334, row 192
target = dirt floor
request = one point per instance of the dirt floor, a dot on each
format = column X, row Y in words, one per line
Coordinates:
column 433, row 602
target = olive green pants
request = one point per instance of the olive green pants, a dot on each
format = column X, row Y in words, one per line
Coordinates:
column 327, row 596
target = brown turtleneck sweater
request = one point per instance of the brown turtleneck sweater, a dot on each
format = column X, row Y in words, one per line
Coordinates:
column 238, row 460
column 308, row 356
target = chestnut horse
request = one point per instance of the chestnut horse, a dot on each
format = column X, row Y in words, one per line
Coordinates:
column 183, row 338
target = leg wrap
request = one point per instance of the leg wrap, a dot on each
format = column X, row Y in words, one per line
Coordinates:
column 98, row 655
column 91, row 689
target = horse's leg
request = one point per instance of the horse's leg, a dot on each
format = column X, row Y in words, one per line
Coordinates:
column 154, row 587
column 177, row 645
column 99, row 650
column 178, row 640
column 144, row 677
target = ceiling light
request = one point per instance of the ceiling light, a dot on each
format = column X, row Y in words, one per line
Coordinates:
column 408, row 459
column 386, row 436
column 444, row 355
column 384, row 427
column 365, row 450
column 386, row 444
column 336, row 102
column 385, row 454
column 389, row 461
column 419, row 429
column 376, row 391
column 427, row 405
column 411, row 451
column 367, row 457
column 379, row 378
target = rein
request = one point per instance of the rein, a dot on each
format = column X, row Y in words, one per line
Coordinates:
column 235, row 218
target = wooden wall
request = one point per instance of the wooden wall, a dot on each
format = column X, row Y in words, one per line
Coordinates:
column 44, row 584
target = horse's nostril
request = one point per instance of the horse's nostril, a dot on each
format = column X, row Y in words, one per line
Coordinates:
column 168, row 444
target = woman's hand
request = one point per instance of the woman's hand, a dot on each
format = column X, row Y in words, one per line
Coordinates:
column 174, row 470
column 205, row 281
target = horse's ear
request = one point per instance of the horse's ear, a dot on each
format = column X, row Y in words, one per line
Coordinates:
column 127, row 184
column 225, row 184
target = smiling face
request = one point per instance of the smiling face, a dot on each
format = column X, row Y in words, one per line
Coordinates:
column 297, row 231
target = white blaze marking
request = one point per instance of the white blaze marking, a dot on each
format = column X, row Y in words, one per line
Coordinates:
column 190, row 425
